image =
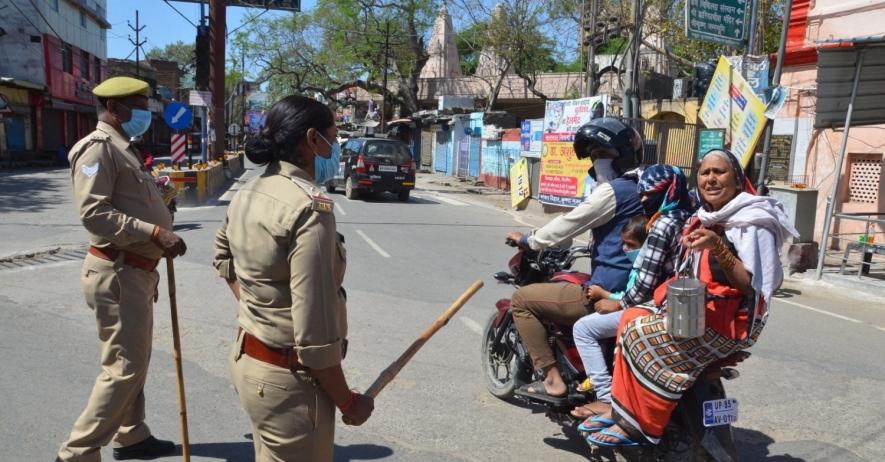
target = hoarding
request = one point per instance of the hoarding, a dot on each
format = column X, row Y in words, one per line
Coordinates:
column 731, row 104
column 562, row 180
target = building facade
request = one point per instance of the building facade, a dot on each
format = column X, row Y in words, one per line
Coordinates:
column 52, row 55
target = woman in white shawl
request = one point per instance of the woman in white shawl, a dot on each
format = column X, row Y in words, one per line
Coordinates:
column 734, row 242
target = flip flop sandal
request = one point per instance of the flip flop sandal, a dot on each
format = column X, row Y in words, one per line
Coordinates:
column 538, row 387
column 604, row 423
column 623, row 441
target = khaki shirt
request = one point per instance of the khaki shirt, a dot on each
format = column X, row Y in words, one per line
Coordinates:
column 118, row 201
column 279, row 241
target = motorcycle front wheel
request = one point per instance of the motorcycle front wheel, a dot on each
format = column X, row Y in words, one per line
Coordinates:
column 502, row 366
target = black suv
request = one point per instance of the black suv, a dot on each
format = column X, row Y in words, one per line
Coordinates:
column 370, row 165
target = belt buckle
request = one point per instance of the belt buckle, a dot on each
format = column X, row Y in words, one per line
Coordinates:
column 292, row 360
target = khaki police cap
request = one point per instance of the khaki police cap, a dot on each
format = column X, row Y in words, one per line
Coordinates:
column 119, row 87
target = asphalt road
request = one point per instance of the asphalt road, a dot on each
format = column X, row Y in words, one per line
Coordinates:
column 812, row 391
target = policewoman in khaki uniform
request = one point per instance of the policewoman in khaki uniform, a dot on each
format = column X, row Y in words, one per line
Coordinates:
column 130, row 229
column 280, row 253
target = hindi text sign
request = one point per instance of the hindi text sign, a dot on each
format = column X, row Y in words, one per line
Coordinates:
column 721, row 21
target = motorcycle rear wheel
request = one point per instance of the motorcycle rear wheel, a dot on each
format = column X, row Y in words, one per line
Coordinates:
column 502, row 366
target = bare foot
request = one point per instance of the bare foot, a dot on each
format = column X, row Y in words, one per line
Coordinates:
column 613, row 429
column 591, row 409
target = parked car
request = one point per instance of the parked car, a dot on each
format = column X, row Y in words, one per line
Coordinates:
column 371, row 165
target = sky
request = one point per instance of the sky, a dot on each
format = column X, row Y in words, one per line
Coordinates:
column 163, row 25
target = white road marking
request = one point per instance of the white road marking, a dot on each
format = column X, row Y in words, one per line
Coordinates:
column 817, row 310
column 450, row 201
column 339, row 209
column 201, row 207
column 471, row 324
column 880, row 328
column 372, row 244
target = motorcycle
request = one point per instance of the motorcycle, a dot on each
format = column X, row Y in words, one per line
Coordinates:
column 699, row 429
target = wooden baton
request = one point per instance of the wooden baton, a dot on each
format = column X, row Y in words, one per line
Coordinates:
column 390, row 373
column 176, row 354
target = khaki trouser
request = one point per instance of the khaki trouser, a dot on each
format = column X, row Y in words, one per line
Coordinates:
column 122, row 298
column 292, row 417
column 561, row 303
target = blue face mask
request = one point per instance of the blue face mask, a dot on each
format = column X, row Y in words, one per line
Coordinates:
column 632, row 254
column 138, row 124
column 326, row 168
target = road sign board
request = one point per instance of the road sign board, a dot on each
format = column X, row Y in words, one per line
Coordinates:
column 200, row 98
column 722, row 21
column 177, row 149
column 710, row 138
column 178, row 116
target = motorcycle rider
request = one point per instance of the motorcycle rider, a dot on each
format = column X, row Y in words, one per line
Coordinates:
column 615, row 149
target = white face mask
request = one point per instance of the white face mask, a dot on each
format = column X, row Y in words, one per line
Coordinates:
column 604, row 170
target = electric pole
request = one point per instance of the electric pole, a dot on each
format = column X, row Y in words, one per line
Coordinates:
column 778, row 68
column 137, row 43
column 631, row 93
column 217, row 31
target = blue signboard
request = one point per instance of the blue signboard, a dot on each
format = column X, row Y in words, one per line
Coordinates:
column 178, row 116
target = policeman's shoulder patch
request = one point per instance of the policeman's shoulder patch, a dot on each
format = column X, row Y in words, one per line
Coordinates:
column 99, row 136
column 90, row 170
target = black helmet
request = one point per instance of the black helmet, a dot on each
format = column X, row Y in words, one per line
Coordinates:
column 608, row 138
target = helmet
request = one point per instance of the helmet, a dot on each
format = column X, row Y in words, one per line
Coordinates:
column 608, row 138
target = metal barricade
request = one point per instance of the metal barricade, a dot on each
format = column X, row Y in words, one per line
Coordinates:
column 866, row 249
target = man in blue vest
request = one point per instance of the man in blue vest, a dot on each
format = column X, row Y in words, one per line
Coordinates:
column 615, row 150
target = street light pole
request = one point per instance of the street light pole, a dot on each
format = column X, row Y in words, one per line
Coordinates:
column 591, row 49
column 778, row 68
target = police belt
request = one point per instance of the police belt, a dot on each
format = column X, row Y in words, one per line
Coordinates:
column 129, row 258
column 280, row 357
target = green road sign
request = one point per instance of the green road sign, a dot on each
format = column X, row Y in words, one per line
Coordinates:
column 722, row 21
column 710, row 138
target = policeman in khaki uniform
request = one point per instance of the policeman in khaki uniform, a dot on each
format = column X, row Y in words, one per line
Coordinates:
column 279, row 251
column 130, row 228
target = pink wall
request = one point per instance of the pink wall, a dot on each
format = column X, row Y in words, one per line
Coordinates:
column 828, row 19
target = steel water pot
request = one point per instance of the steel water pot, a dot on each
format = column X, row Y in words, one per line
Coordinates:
column 686, row 306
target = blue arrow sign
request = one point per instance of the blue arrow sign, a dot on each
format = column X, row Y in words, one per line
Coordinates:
column 178, row 116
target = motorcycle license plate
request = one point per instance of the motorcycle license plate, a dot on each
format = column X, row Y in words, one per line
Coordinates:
column 720, row 412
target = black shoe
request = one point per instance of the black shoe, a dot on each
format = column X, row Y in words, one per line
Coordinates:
column 151, row 448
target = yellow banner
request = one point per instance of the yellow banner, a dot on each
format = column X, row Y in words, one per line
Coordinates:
column 562, row 174
column 731, row 104
column 519, row 183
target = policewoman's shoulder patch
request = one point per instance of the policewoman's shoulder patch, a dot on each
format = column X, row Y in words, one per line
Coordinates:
column 321, row 203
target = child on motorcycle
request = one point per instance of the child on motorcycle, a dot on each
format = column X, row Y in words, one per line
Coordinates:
column 633, row 235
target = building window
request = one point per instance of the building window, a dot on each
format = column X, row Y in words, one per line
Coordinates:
column 97, row 70
column 104, row 34
column 67, row 58
column 865, row 173
column 83, row 20
column 85, row 65
column 53, row 4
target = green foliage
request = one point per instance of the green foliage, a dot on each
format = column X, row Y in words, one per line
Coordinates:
column 470, row 42
column 179, row 52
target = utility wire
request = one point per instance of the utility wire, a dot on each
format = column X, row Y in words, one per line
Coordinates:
column 252, row 19
column 12, row 2
column 180, row 13
column 44, row 19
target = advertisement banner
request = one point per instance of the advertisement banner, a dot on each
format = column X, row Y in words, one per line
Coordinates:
column 563, row 176
column 519, row 183
column 731, row 104
column 566, row 116
column 531, row 136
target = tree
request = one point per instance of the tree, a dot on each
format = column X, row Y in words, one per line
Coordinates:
column 179, row 52
column 340, row 45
